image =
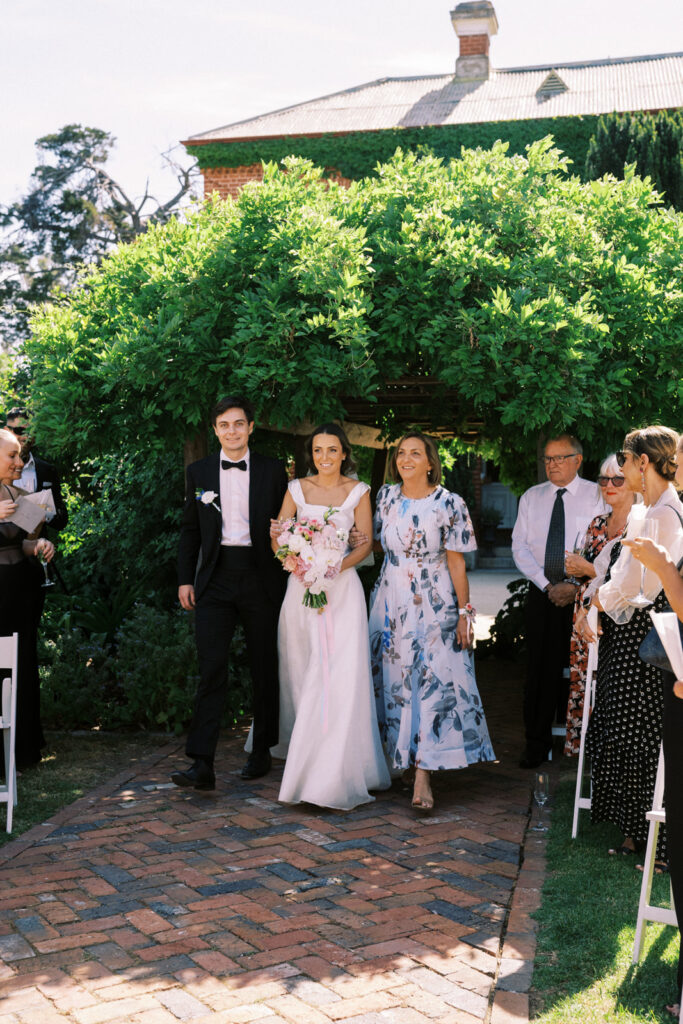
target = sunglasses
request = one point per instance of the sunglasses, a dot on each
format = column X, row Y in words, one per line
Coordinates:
column 616, row 480
column 18, row 431
column 621, row 457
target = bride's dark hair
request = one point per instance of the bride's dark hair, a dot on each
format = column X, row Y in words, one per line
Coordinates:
column 348, row 465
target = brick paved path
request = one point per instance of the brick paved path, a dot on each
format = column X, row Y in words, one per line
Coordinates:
column 151, row 905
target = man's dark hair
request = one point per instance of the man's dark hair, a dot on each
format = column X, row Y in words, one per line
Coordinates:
column 232, row 402
column 16, row 412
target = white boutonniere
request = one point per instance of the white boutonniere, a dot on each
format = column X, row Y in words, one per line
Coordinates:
column 207, row 498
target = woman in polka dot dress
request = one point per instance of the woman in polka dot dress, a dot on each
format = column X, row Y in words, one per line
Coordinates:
column 625, row 729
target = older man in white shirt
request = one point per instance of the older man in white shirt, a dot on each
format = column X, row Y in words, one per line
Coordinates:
column 550, row 519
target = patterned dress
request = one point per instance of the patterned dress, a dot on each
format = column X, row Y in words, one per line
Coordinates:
column 428, row 706
column 596, row 538
column 625, row 730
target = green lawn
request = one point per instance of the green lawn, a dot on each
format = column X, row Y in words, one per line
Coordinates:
column 71, row 766
column 583, row 969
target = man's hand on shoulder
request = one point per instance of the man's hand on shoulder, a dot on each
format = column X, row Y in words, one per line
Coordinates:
column 561, row 594
column 186, row 596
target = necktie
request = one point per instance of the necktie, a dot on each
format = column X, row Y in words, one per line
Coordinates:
column 233, row 465
column 553, row 564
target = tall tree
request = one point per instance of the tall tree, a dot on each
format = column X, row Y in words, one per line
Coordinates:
column 651, row 143
column 524, row 298
column 73, row 213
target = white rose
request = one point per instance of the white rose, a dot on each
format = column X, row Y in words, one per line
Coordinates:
column 295, row 542
column 208, row 497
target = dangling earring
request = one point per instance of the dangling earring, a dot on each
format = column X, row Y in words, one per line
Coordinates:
column 642, row 477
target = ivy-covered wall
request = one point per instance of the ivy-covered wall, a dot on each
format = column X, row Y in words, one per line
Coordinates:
column 356, row 154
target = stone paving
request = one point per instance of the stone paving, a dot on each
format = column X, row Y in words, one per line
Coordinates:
column 146, row 904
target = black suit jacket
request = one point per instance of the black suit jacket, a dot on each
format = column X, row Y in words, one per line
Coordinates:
column 47, row 478
column 201, row 527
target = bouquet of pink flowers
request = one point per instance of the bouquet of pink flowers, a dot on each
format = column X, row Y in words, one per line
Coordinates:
column 313, row 550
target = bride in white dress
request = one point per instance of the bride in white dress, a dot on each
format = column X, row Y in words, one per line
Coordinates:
column 328, row 721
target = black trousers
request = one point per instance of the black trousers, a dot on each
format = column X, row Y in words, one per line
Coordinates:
column 234, row 593
column 673, row 797
column 548, row 633
column 19, row 599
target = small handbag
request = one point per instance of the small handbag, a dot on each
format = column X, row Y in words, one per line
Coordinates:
column 651, row 650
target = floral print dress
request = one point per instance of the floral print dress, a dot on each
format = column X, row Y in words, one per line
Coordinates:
column 428, row 706
column 596, row 538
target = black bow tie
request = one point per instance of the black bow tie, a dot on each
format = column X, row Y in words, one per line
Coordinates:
column 233, row 465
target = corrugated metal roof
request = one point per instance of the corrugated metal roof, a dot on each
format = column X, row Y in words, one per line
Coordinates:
column 511, row 94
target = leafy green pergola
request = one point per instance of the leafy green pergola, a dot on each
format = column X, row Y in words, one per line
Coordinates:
column 492, row 298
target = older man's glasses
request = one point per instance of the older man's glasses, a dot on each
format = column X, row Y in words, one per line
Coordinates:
column 616, row 480
column 551, row 460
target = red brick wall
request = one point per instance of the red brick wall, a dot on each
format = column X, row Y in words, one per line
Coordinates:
column 470, row 45
column 227, row 181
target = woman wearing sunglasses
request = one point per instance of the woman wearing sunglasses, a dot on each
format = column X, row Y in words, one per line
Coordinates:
column 602, row 534
column 625, row 729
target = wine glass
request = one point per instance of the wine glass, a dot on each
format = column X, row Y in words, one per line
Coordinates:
column 648, row 528
column 577, row 549
column 48, row 581
column 541, row 789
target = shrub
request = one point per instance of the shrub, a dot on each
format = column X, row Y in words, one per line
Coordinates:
column 146, row 679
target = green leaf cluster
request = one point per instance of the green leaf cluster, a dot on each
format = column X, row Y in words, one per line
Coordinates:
column 526, row 299
column 358, row 154
column 651, row 143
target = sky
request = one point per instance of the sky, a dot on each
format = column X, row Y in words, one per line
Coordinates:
column 154, row 72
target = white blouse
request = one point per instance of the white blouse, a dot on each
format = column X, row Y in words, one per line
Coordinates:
column 625, row 578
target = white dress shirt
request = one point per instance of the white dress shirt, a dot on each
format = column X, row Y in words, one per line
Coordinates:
column 28, row 481
column 625, row 578
column 582, row 503
column 234, row 488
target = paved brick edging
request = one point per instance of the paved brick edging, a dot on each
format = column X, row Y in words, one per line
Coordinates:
column 77, row 807
column 147, row 905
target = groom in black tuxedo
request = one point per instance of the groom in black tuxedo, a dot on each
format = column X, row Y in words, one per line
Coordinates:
column 227, row 571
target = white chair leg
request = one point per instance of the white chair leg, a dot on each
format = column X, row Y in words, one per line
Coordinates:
column 645, row 890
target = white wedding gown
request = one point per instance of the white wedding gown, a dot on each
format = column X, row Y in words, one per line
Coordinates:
column 328, row 721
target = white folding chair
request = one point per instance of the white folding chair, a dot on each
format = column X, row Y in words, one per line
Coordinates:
column 583, row 803
column 646, row 912
column 9, row 646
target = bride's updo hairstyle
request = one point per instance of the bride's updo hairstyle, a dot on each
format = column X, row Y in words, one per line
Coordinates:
column 660, row 444
column 348, row 465
column 434, row 474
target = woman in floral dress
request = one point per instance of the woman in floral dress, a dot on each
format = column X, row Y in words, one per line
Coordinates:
column 428, row 706
column 603, row 532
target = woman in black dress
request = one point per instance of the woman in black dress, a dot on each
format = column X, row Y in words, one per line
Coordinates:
column 625, row 730
column 656, row 558
column 18, row 598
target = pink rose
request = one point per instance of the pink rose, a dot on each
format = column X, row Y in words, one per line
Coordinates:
column 290, row 563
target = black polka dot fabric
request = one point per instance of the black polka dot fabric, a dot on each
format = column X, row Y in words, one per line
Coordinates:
column 625, row 729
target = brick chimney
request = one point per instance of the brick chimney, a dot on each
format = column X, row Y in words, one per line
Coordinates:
column 474, row 22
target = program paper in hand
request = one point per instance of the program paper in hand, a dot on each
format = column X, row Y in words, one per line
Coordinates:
column 29, row 513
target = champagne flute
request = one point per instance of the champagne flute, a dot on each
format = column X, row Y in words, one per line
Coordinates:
column 541, row 790
column 648, row 528
column 577, row 549
column 48, row 581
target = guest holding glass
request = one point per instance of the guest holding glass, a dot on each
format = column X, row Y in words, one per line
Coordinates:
column 625, row 729
column 18, row 601
column 603, row 532
column 429, row 709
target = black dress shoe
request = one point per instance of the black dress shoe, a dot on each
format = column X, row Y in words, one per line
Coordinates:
column 199, row 776
column 257, row 765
